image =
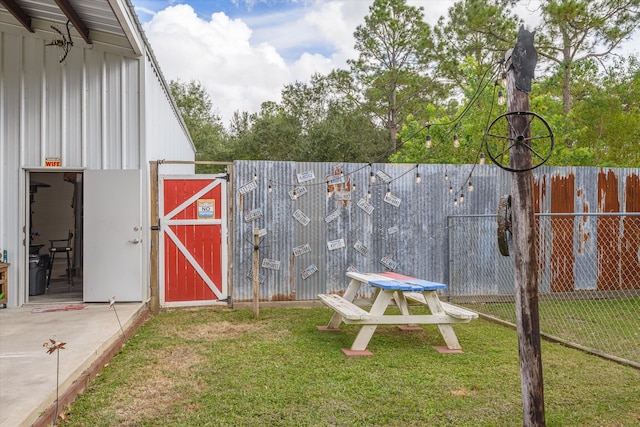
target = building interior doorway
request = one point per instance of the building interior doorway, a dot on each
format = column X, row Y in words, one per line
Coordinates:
column 55, row 221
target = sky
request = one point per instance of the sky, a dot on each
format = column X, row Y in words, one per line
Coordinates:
column 244, row 52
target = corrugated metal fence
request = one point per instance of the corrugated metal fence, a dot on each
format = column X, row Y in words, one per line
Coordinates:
column 331, row 225
column 321, row 219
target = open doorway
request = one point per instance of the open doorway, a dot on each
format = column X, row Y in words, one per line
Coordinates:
column 55, row 269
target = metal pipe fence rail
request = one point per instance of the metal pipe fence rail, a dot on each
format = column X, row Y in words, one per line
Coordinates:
column 588, row 278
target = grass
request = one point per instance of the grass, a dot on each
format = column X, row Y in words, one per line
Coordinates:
column 609, row 325
column 220, row 367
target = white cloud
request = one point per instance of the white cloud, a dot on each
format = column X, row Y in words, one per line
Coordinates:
column 217, row 53
column 245, row 61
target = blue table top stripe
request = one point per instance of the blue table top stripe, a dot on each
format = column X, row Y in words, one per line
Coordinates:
column 413, row 285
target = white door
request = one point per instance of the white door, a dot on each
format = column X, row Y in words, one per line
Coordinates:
column 112, row 235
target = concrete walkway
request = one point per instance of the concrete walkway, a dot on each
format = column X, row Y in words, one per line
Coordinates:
column 92, row 334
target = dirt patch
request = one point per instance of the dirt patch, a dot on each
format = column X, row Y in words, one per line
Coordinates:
column 158, row 389
column 213, row 331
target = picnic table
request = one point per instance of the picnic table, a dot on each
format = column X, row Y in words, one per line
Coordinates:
column 393, row 288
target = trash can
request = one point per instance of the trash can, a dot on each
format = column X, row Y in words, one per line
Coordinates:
column 37, row 276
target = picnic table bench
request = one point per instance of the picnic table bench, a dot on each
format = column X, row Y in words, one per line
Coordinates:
column 394, row 288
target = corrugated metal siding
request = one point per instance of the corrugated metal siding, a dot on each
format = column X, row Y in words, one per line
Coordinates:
column 421, row 244
column 100, row 109
column 84, row 111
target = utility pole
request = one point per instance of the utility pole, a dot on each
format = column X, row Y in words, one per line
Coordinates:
column 520, row 68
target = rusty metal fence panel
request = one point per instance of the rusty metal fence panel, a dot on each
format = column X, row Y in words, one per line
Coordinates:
column 588, row 277
column 409, row 235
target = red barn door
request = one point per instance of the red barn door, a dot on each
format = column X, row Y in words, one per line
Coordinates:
column 193, row 239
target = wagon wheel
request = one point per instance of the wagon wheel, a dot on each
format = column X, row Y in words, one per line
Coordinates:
column 499, row 139
column 504, row 224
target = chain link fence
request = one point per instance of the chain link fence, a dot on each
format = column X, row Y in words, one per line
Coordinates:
column 588, row 278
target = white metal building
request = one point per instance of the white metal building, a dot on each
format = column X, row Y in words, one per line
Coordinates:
column 84, row 108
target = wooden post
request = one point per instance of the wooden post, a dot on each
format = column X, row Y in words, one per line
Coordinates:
column 524, row 234
column 256, row 272
column 154, row 303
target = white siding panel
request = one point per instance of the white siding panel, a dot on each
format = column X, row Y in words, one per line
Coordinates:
column 52, row 107
column 32, row 99
column 72, row 110
column 93, row 107
column 166, row 138
column 10, row 106
column 132, row 113
column 112, row 95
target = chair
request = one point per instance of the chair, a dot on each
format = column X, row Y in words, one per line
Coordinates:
column 54, row 248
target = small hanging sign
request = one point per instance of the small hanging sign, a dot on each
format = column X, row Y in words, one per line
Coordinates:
column 301, row 217
column 248, row 187
column 309, row 271
column 388, row 262
column 332, row 245
column 271, row 264
column 252, row 215
column 206, row 208
column 393, row 230
column 386, row 178
column 360, row 247
column 262, row 232
column 342, row 195
column 392, row 200
column 297, row 192
column 332, row 216
column 365, row 206
column 335, row 179
column 306, row 176
column 261, row 277
column 302, row 249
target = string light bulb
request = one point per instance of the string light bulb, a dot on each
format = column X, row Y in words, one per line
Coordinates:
column 372, row 176
column 461, row 197
column 446, row 177
column 470, row 186
column 504, row 79
column 481, row 158
column 501, row 98
column 388, row 191
column 455, row 202
column 456, row 140
column 270, row 189
column 418, row 178
column 368, row 194
column 255, row 176
column 427, row 141
column 450, row 189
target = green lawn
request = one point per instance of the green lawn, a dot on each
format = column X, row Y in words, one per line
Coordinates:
column 611, row 326
column 220, row 367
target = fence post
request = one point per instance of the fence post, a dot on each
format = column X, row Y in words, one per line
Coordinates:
column 256, row 275
column 520, row 67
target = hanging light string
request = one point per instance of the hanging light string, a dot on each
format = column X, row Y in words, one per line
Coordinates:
column 484, row 82
column 479, row 155
column 454, row 121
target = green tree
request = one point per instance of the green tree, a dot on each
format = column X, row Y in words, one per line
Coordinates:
column 390, row 77
column 479, row 30
column 578, row 30
column 204, row 126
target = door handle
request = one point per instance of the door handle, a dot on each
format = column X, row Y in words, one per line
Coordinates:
column 134, row 241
